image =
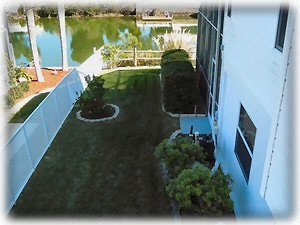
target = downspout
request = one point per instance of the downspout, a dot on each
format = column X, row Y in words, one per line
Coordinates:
column 279, row 113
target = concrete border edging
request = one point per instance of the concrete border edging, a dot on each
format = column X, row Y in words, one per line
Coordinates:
column 117, row 111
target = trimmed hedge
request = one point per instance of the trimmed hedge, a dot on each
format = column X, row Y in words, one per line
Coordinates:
column 174, row 55
column 180, row 89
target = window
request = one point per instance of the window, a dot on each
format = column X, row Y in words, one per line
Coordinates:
column 215, row 16
column 244, row 142
column 281, row 28
column 229, row 9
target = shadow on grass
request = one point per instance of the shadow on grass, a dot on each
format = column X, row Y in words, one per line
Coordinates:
column 106, row 169
column 28, row 108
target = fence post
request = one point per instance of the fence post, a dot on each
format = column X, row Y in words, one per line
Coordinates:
column 135, row 55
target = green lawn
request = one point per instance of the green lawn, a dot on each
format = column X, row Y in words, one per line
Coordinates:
column 27, row 109
column 106, row 169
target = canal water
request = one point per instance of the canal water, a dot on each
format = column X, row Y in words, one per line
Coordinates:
column 82, row 35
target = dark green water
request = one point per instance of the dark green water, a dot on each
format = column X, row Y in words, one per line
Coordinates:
column 82, row 35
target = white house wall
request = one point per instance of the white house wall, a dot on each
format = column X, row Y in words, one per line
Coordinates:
column 279, row 192
column 252, row 75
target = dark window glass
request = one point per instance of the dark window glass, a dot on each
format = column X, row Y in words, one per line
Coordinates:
column 219, row 71
column 222, row 19
column 247, row 128
column 212, row 75
column 198, row 38
column 215, row 18
column 281, row 28
column 229, row 9
column 205, row 49
column 210, row 14
column 204, row 10
column 213, row 42
column 210, row 105
column 243, row 155
column 202, row 41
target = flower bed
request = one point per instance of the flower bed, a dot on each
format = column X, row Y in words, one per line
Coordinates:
column 102, row 119
column 92, row 103
column 190, row 183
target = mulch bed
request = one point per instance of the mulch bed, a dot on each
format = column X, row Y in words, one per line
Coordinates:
column 50, row 81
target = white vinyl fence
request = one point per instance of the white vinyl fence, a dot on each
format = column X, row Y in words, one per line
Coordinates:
column 29, row 143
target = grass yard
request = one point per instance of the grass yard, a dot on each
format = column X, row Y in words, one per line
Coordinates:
column 28, row 108
column 106, row 169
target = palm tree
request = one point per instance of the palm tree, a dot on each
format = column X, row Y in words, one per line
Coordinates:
column 61, row 17
column 32, row 39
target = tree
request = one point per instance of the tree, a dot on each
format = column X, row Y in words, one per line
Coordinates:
column 32, row 39
column 61, row 17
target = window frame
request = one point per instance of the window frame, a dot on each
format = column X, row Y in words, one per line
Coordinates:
column 282, row 10
column 249, row 151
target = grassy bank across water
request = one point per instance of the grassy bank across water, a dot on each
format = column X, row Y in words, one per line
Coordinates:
column 109, row 168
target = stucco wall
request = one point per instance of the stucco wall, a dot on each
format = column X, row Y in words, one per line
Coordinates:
column 253, row 74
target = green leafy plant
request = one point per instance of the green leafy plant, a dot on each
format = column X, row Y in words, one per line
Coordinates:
column 110, row 54
column 47, row 11
column 15, row 73
column 199, row 193
column 17, row 88
column 180, row 154
column 91, row 101
column 129, row 41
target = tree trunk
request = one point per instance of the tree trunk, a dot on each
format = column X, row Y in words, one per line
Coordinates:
column 63, row 42
column 32, row 39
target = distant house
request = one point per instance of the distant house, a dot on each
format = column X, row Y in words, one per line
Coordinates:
column 245, row 59
column 157, row 15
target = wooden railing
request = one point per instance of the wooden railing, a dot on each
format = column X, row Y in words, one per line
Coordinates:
column 136, row 55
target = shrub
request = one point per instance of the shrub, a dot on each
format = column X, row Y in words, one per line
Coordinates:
column 91, row 101
column 15, row 73
column 47, row 11
column 174, row 55
column 110, row 54
column 148, row 62
column 180, row 154
column 129, row 41
column 71, row 10
column 199, row 193
column 16, row 92
column 177, row 67
column 17, row 88
column 180, row 91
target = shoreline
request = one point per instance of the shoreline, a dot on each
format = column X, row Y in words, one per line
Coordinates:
column 23, row 17
column 177, row 16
